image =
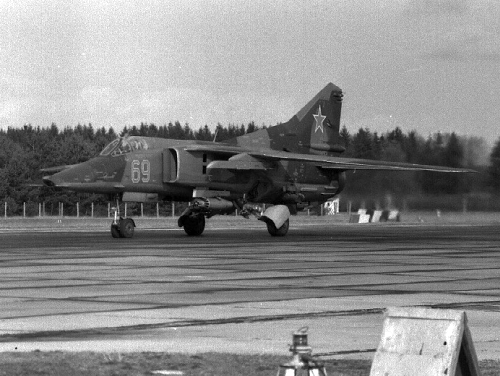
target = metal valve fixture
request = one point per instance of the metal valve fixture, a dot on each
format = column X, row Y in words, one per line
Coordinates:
column 302, row 362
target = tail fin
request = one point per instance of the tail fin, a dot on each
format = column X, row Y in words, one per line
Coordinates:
column 313, row 130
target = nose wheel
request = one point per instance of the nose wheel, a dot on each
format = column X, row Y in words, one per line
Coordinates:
column 122, row 227
column 115, row 230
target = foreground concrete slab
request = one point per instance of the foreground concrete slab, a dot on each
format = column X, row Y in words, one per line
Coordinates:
column 240, row 290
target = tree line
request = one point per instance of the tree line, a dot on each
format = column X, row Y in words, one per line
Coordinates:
column 26, row 150
column 424, row 190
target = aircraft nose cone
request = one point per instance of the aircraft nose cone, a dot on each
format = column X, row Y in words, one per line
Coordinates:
column 81, row 173
column 47, row 180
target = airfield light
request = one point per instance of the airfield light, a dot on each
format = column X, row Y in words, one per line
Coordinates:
column 302, row 362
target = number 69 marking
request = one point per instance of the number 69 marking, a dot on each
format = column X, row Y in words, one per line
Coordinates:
column 140, row 171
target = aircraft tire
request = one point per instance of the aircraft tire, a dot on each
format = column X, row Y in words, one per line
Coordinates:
column 194, row 225
column 115, row 231
column 282, row 231
column 127, row 228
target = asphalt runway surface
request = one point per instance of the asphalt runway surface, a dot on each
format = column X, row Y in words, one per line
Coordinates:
column 240, row 290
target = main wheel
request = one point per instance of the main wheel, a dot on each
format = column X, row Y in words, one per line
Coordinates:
column 127, row 228
column 282, row 231
column 194, row 225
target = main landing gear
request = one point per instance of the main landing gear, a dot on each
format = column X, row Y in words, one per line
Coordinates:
column 122, row 227
column 282, row 231
column 193, row 223
column 193, row 218
column 277, row 217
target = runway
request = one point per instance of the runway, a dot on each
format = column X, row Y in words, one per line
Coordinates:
column 240, row 290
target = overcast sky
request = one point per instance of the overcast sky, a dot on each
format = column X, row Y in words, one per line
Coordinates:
column 427, row 65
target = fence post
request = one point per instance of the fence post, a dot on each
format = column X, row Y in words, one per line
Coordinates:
column 5, row 209
column 92, row 209
column 157, row 210
column 142, row 209
column 24, row 210
column 173, row 209
column 125, row 210
column 77, row 210
column 39, row 209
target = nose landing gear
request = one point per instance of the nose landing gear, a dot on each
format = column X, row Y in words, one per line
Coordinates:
column 122, row 227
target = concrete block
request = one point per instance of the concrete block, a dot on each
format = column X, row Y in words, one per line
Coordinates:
column 424, row 341
column 376, row 216
column 364, row 218
column 354, row 218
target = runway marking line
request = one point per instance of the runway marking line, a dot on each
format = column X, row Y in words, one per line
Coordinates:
column 239, row 228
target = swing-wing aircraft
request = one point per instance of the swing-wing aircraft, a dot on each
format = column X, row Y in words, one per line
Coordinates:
column 288, row 167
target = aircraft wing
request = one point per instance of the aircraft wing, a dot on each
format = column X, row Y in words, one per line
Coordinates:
column 338, row 163
column 322, row 161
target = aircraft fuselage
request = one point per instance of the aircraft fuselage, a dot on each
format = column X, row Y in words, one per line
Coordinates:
column 167, row 169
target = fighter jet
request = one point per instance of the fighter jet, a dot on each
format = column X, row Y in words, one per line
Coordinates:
column 287, row 167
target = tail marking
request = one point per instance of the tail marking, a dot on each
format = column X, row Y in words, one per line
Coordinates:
column 319, row 120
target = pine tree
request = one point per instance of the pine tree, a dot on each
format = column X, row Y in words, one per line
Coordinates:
column 494, row 169
column 345, row 136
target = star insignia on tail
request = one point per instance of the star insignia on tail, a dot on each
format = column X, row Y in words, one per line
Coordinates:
column 319, row 120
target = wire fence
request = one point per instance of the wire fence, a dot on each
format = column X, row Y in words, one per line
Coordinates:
column 346, row 203
column 92, row 210
column 99, row 210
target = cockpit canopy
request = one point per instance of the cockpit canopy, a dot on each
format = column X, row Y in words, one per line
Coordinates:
column 124, row 145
